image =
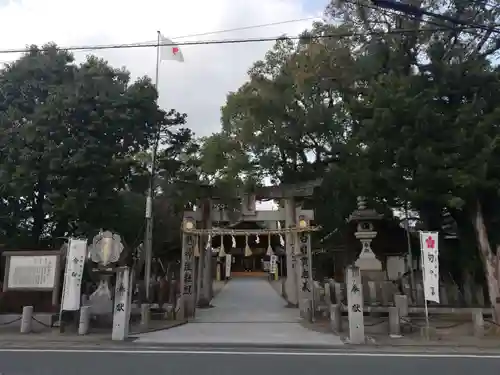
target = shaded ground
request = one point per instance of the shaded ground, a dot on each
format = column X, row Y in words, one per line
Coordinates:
column 9, row 333
column 247, row 311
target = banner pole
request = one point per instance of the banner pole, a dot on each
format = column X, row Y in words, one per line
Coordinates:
column 423, row 279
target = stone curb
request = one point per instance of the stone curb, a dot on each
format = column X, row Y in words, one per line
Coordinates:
column 176, row 324
column 250, row 345
column 132, row 344
column 75, row 339
column 346, row 347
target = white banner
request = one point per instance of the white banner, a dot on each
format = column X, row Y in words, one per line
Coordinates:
column 430, row 265
column 228, row 265
column 73, row 273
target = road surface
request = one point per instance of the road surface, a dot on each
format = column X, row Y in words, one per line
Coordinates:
column 248, row 311
column 229, row 362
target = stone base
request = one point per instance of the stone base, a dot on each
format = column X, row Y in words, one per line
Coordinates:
column 373, row 275
column 203, row 303
column 368, row 264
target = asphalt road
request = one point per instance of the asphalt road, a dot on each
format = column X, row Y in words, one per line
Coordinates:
column 238, row 361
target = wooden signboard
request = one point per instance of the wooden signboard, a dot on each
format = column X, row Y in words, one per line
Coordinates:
column 32, row 271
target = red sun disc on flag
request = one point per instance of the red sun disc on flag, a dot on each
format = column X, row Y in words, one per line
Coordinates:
column 175, row 50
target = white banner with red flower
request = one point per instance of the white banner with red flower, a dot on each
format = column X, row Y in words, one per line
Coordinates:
column 430, row 265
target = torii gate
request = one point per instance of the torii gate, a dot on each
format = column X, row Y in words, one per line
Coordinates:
column 197, row 227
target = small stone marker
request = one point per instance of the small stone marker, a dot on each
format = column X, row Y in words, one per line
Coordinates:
column 394, row 322
column 335, row 318
column 84, row 321
column 26, row 319
column 478, row 322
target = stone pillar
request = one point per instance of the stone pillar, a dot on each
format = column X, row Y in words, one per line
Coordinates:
column 420, row 295
column 26, row 319
column 328, row 293
column 394, row 323
column 145, row 315
column 218, row 276
column 122, row 306
column 339, row 297
column 304, row 268
column 206, row 293
column 335, row 318
column 387, row 290
column 372, row 293
column 291, row 283
column 84, row 321
column 401, row 302
column 228, row 263
column 186, row 308
column 199, row 260
column 478, row 322
column 355, row 306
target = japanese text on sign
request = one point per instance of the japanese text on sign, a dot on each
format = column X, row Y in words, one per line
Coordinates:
column 32, row 272
column 73, row 274
column 187, row 266
column 430, row 265
column 305, row 270
column 354, row 297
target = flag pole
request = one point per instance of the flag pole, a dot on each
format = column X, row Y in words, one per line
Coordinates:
column 157, row 59
column 423, row 279
column 148, row 235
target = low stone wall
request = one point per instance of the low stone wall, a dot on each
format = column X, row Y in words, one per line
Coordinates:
column 381, row 293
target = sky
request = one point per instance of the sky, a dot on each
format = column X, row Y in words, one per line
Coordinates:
column 198, row 86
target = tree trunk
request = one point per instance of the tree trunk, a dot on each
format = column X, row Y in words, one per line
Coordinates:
column 489, row 260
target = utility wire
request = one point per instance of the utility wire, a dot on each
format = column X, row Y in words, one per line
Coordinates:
column 248, row 27
column 233, row 41
column 251, row 27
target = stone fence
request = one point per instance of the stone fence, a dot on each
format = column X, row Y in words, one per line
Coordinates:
column 385, row 302
column 381, row 293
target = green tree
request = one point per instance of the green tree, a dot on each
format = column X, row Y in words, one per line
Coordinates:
column 408, row 116
column 68, row 144
column 425, row 114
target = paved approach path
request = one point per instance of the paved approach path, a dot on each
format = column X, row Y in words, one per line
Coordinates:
column 247, row 311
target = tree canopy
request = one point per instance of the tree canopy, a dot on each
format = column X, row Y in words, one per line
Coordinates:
column 396, row 105
column 380, row 103
column 71, row 141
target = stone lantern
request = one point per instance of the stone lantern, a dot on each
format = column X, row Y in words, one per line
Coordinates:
column 365, row 233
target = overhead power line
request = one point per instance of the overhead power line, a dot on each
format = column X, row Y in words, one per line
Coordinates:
column 248, row 27
column 233, row 41
column 223, row 31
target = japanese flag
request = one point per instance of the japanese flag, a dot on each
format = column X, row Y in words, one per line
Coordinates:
column 169, row 50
